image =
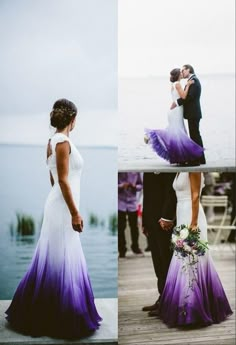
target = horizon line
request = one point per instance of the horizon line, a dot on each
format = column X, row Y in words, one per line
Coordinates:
column 80, row 146
column 164, row 75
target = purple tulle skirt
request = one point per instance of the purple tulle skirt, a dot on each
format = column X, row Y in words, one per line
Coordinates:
column 201, row 304
column 54, row 299
column 173, row 145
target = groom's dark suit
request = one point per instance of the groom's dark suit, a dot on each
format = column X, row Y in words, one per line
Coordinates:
column 192, row 112
column 159, row 201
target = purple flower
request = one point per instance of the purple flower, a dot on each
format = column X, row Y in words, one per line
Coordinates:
column 179, row 243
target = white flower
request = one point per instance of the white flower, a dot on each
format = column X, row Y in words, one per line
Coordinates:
column 174, row 238
column 187, row 248
column 184, row 233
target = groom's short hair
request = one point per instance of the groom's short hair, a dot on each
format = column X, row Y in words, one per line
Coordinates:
column 191, row 70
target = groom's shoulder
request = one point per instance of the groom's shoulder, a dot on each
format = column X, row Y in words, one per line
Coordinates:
column 196, row 79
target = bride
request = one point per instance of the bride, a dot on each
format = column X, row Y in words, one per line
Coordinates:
column 204, row 302
column 55, row 297
column 173, row 143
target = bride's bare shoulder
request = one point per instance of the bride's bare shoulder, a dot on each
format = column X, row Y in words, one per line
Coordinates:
column 177, row 85
column 173, row 85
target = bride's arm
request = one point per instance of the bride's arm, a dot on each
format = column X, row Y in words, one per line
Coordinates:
column 183, row 93
column 62, row 161
column 195, row 184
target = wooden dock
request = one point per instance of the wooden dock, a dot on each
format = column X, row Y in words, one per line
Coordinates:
column 106, row 335
column 155, row 165
column 137, row 287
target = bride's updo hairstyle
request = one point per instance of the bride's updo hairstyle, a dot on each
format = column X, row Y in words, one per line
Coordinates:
column 63, row 112
column 174, row 74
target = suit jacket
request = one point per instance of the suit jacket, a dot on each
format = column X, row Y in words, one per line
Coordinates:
column 159, row 199
column 192, row 107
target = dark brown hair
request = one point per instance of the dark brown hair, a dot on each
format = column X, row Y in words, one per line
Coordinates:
column 63, row 112
column 174, row 74
column 191, row 70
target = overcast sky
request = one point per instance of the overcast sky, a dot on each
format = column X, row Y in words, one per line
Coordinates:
column 57, row 48
column 155, row 36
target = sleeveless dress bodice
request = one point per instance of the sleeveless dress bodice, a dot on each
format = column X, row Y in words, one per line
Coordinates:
column 182, row 189
column 174, row 93
column 175, row 116
column 76, row 163
column 75, row 159
column 182, row 186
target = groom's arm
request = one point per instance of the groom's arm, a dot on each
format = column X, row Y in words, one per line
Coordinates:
column 169, row 200
column 169, row 206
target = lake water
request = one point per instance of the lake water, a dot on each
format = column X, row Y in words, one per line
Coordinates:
column 24, row 187
column 145, row 103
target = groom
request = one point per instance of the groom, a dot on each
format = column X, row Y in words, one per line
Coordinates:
column 192, row 109
column 159, row 209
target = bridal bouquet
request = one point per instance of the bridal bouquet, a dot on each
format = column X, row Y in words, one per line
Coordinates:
column 188, row 246
column 186, row 242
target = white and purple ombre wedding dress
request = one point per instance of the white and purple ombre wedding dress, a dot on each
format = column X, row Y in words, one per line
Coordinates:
column 173, row 143
column 55, row 296
column 204, row 302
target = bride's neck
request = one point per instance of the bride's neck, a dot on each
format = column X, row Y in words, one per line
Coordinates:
column 65, row 131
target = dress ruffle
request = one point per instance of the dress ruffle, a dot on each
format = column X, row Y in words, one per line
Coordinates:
column 173, row 145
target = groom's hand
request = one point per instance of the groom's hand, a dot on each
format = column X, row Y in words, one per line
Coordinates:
column 144, row 230
column 166, row 224
column 173, row 105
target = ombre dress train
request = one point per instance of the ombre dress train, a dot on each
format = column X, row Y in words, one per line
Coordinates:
column 55, row 297
column 173, row 143
column 194, row 296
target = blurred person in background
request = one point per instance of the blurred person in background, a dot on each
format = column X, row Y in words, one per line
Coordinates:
column 128, row 185
column 209, row 190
